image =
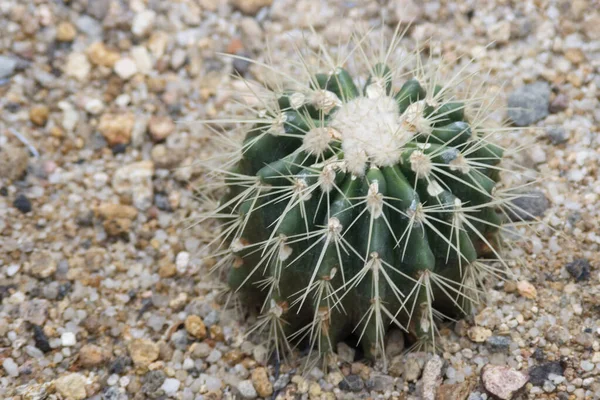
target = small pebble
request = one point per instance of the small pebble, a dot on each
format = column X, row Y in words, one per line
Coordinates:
column 529, row 103
column 170, row 386
column 247, row 390
column 68, row 339
column 579, row 269
column 22, row 203
column 352, row 383
column 11, row 368
column 502, row 381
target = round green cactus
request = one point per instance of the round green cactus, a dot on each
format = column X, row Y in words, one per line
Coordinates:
column 353, row 207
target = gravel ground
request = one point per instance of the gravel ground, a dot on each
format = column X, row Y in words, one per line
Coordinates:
column 102, row 292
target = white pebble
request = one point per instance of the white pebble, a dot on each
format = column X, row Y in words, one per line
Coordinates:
column 188, row 363
column 125, row 68
column 94, row 106
column 112, row 380
column 11, row 368
column 142, row 22
column 182, row 261
column 12, row 269
column 170, row 386
column 68, row 339
column 587, row 366
column 142, row 59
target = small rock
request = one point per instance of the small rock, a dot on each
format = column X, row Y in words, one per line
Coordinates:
column 135, row 180
column 529, row 103
column 575, row 55
column 78, row 66
column 498, row 343
column 40, row 339
column 152, row 382
column 72, row 386
column 479, row 334
column 345, row 353
column 165, row 158
column 380, row 383
column 34, row 311
column 91, row 356
column 557, row 334
column 241, row 65
column 527, row 290
column 70, row 115
column 167, row 270
column 458, row 391
column 250, row 7
column 11, row 367
column 42, row 264
column 160, row 127
column 537, row 154
column 13, row 162
column 142, row 59
column 579, row 269
column 500, row 32
column 110, row 211
column 559, row 103
column 549, row 387
column 99, row 54
column 587, row 365
column 117, row 227
column 212, row 382
column 281, row 382
column 39, row 115
column 157, row 44
column 94, row 106
column 170, row 386
column 201, row 350
column 412, row 368
column 394, row 343
column 214, row 356
column 119, row 148
column 65, row 32
column 557, row 135
column 89, row 26
column 178, row 59
column 143, row 22
column 406, row 11
column 352, row 383
column 125, row 68
column 520, row 27
column 432, row 377
column 8, row 65
column 143, row 352
column 502, row 381
column 528, row 206
column 252, row 33
column 22, row 204
column 119, row 364
column 195, row 326
column 260, row 354
column 591, row 26
column 397, row 366
column 182, row 261
column 68, row 339
column 246, row 389
column 539, row 374
column 261, row 382
column 98, row 8
column 116, row 128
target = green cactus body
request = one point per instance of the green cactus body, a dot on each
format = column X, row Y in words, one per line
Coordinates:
column 358, row 209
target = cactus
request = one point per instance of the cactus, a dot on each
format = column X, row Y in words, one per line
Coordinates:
column 350, row 207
